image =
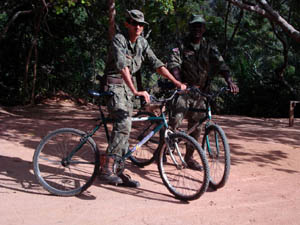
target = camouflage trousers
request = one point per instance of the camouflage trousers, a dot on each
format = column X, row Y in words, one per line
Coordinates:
column 179, row 109
column 120, row 107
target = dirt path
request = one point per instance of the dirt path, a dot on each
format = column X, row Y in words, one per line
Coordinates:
column 263, row 186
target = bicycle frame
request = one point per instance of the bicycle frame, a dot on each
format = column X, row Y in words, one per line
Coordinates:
column 105, row 120
column 157, row 128
column 207, row 118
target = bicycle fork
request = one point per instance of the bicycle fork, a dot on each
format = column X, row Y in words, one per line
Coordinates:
column 173, row 147
column 208, row 145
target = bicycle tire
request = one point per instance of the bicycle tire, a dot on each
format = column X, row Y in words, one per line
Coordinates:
column 147, row 153
column 218, row 156
column 50, row 169
column 184, row 183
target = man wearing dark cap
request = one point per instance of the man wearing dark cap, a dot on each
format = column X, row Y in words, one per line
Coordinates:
column 126, row 55
column 195, row 62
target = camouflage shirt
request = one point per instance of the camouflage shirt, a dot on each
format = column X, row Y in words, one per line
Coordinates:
column 197, row 65
column 123, row 53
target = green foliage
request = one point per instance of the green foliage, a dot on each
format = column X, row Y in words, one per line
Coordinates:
column 166, row 5
column 61, row 6
column 3, row 20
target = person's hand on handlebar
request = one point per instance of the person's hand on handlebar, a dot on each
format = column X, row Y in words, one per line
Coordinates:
column 180, row 85
column 144, row 94
column 233, row 87
column 183, row 87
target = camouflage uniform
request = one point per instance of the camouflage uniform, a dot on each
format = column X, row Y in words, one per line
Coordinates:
column 198, row 65
column 123, row 54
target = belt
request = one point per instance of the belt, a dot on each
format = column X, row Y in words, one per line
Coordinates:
column 114, row 80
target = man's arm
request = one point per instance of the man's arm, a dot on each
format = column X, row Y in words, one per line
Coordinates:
column 127, row 78
column 233, row 87
column 165, row 72
column 219, row 63
column 176, row 73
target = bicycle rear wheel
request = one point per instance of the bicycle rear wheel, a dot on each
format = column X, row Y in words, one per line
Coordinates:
column 217, row 152
column 55, row 172
column 185, row 183
column 140, row 129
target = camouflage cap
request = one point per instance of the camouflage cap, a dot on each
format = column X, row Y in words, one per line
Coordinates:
column 197, row 19
column 137, row 16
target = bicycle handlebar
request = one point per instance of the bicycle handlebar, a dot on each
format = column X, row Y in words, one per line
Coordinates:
column 154, row 99
column 208, row 95
column 177, row 91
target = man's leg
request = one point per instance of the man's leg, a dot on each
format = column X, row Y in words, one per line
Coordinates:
column 120, row 107
column 118, row 145
column 192, row 163
column 193, row 118
column 178, row 109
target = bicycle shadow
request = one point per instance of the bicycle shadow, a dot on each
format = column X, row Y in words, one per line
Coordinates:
column 143, row 192
column 17, row 175
column 140, row 193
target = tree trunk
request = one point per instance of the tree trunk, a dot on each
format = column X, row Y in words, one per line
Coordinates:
column 39, row 12
column 112, row 14
column 32, row 102
column 25, row 85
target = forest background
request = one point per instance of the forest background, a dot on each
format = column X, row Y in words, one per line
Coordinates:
column 53, row 46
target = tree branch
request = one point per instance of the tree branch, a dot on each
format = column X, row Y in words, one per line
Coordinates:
column 236, row 26
column 276, row 18
column 262, row 8
column 12, row 20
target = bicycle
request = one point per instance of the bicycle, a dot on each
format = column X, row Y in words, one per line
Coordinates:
column 66, row 161
column 214, row 143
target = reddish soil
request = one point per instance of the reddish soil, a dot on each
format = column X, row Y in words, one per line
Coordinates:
column 263, row 187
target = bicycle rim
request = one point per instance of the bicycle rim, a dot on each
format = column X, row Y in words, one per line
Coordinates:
column 58, row 176
column 182, row 181
column 217, row 152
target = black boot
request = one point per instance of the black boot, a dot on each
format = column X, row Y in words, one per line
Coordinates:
column 191, row 163
column 106, row 175
column 128, row 182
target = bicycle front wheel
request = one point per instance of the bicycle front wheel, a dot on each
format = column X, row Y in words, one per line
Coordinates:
column 140, row 129
column 184, row 182
column 65, row 162
column 217, row 152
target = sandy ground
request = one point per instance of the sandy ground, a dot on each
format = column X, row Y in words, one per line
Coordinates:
column 263, row 187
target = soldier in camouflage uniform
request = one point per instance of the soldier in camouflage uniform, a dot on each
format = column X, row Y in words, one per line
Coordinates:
column 194, row 61
column 126, row 55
